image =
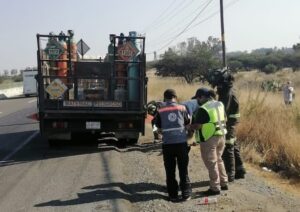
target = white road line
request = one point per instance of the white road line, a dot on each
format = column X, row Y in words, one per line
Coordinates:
column 33, row 100
column 7, row 157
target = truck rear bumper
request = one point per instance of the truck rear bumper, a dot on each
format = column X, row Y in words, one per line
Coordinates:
column 62, row 126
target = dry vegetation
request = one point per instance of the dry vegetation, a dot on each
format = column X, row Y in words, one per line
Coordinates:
column 269, row 132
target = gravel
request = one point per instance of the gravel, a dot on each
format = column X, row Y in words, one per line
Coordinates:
column 144, row 180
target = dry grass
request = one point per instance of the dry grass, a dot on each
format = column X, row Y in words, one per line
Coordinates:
column 269, row 131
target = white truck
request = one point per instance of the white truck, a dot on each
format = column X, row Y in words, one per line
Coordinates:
column 29, row 82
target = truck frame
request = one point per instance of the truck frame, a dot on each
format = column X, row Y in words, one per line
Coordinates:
column 94, row 96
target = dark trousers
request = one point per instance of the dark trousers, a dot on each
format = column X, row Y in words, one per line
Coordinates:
column 173, row 153
column 231, row 155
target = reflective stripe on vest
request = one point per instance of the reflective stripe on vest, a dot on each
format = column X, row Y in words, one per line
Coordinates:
column 173, row 129
column 197, row 136
column 234, row 115
column 216, row 124
column 230, row 141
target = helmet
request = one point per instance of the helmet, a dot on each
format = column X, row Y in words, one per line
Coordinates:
column 220, row 77
column 152, row 107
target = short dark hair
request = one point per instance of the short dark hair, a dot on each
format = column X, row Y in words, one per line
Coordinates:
column 170, row 93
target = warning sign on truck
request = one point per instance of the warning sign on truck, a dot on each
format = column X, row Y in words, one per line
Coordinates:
column 127, row 51
column 56, row 89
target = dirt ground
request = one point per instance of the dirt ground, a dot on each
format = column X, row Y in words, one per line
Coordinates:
column 144, row 178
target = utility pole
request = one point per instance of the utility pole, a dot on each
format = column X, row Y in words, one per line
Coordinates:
column 223, row 34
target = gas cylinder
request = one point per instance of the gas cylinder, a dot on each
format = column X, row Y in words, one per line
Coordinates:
column 52, row 64
column 133, row 72
column 73, row 45
column 120, row 67
column 111, row 49
column 62, row 66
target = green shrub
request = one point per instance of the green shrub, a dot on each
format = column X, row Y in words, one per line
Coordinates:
column 269, row 69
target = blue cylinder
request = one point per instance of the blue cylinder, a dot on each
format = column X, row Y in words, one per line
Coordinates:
column 133, row 84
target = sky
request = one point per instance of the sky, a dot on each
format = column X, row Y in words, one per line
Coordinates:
column 249, row 24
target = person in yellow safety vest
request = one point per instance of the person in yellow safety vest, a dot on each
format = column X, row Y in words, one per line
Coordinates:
column 210, row 122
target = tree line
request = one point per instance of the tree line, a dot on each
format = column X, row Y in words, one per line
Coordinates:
column 192, row 59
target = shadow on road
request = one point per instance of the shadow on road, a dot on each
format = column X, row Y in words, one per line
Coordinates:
column 121, row 147
column 39, row 149
column 136, row 192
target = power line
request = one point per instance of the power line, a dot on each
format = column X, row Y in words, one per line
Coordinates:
column 214, row 14
column 172, row 30
column 189, row 24
column 161, row 15
column 172, row 14
column 208, row 17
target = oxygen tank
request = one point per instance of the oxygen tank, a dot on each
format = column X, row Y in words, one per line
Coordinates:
column 133, row 72
column 73, row 45
column 120, row 67
column 120, row 92
column 52, row 64
column 62, row 66
column 111, row 48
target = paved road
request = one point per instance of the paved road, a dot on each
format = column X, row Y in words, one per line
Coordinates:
column 34, row 177
column 16, row 128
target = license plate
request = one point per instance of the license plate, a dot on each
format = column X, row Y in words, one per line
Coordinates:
column 93, row 125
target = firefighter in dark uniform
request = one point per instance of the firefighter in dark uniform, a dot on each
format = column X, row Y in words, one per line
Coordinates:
column 171, row 120
column 223, row 80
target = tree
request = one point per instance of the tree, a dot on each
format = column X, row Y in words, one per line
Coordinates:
column 5, row 72
column 269, row 69
column 235, row 65
column 192, row 61
column 13, row 72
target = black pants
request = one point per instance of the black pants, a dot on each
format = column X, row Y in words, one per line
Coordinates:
column 231, row 155
column 173, row 153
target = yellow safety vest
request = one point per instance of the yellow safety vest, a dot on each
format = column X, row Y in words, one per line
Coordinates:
column 216, row 124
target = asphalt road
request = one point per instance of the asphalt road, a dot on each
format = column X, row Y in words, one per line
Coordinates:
column 34, row 177
column 16, row 128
